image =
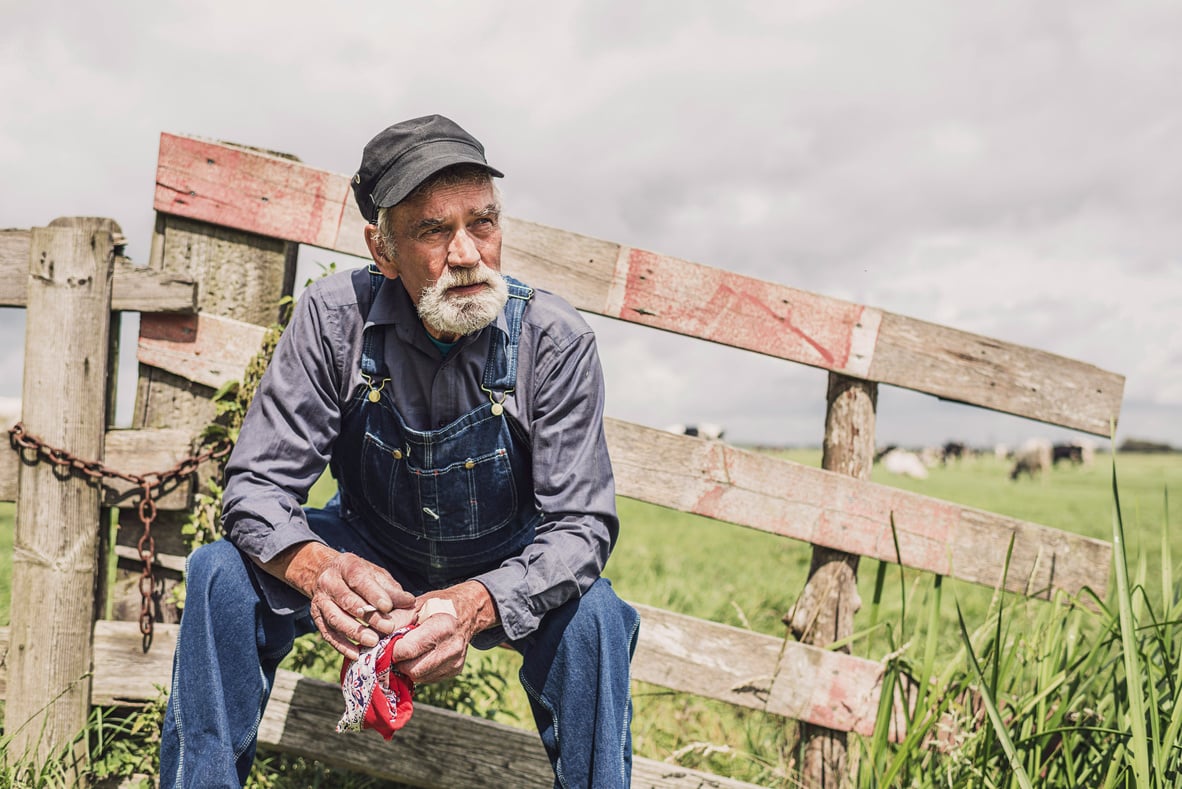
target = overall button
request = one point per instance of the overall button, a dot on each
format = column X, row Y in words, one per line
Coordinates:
column 397, row 454
column 469, row 463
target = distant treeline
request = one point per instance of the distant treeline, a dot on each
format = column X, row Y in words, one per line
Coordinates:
column 1141, row 445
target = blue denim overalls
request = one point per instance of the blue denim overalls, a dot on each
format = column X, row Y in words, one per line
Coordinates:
column 434, row 507
column 443, row 504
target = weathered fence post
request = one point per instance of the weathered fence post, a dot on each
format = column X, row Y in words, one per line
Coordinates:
column 825, row 611
column 55, row 561
column 241, row 276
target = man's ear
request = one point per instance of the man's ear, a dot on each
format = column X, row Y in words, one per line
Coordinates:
column 374, row 245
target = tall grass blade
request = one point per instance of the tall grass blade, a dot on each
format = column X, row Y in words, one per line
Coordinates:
column 999, row 727
column 876, row 599
column 931, row 640
column 902, row 575
column 1128, row 635
column 1167, row 564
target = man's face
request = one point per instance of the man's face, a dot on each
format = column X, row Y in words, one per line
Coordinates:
column 448, row 255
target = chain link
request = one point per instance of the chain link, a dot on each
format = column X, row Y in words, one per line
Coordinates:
column 149, row 484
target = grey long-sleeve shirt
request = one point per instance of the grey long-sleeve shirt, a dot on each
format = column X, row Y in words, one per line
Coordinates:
column 288, row 434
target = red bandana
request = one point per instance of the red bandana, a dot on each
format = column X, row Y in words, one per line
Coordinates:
column 376, row 697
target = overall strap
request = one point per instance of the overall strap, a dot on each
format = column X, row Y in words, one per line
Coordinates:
column 500, row 370
column 373, row 339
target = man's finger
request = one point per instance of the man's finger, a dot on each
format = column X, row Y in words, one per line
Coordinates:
column 342, row 625
column 374, row 585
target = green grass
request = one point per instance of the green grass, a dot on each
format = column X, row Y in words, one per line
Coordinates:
column 1074, row 693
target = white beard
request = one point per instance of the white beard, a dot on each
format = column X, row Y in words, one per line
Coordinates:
column 461, row 315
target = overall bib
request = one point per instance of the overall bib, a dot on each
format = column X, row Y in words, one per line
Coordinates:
column 434, row 507
column 441, row 504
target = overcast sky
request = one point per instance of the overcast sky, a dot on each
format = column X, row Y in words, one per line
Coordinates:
column 1012, row 169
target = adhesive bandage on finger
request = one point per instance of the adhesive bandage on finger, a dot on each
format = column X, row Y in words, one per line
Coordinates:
column 436, row 605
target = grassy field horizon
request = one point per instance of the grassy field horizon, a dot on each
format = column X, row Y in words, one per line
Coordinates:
column 1072, row 498
column 749, row 579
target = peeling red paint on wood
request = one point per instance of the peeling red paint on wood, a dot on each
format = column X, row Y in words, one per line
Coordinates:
column 225, row 185
column 718, row 305
column 710, row 503
column 248, row 190
column 203, row 348
column 860, row 523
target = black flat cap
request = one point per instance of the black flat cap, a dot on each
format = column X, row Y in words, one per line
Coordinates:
column 404, row 155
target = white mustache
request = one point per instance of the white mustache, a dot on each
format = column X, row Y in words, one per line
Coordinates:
column 461, row 278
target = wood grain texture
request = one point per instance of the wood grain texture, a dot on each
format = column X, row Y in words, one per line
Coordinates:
column 438, row 748
column 676, row 651
column 283, row 199
column 823, row 508
column 242, row 276
column 55, row 541
column 753, row 489
column 203, row 348
column 205, row 180
column 969, row 368
column 14, row 267
column 748, row 669
column 824, row 614
column 134, row 288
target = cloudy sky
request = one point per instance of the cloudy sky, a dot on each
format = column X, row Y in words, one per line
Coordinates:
column 1012, row 169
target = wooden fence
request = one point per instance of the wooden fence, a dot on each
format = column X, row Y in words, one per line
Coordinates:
column 229, row 222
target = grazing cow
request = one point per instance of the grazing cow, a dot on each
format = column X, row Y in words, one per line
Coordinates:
column 1072, row 453
column 932, row 456
column 953, row 450
column 703, row 430
column 1087, row 449
column 901, row 461
column 1033, row 457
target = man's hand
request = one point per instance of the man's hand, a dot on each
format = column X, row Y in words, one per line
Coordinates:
column 354, row 601
column 436, row 649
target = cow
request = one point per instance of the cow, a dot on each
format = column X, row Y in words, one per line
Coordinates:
column 708, row 430
column 953, row 450
column 1071, row 453
column 1033, row 457
column 901, row 461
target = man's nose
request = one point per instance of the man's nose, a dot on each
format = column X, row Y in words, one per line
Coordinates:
column 462, row 251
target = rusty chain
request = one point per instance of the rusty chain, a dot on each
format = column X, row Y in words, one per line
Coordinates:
column 148, row 485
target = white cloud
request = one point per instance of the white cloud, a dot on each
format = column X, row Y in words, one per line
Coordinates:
column 1005, row 168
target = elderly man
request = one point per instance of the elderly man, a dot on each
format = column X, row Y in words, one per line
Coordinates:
column 460, row 412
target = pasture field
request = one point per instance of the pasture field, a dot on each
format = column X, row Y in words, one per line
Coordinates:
column 749, row 579
column 671, row 559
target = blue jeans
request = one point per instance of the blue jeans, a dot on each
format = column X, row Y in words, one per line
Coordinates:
column 575, row 670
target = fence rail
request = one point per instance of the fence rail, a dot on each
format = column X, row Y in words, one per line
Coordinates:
column 281, row 198
column 229, row 219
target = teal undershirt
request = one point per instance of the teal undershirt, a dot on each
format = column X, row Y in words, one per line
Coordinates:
column 443, row 347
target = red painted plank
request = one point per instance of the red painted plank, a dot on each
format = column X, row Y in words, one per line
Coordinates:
column 204, row 348
column 713, row 304
column 264, row 194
